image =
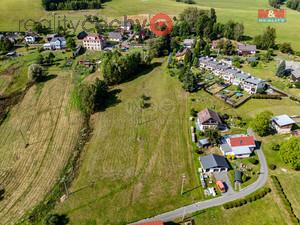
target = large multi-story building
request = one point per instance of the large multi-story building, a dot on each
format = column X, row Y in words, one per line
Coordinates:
column 94, row 42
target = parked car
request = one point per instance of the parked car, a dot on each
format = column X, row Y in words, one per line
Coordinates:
column 221, row 186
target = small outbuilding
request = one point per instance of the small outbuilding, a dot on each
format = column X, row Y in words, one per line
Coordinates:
column 283, row 124
column 203, row 143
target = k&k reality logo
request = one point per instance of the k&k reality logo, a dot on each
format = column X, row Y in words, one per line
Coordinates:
column 272, row 15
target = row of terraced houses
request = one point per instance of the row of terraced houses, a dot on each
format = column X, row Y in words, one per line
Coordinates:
column 232, row 75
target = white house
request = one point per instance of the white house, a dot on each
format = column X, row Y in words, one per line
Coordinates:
column 56, row 43
column 94, row 42
column 283, row 124
column 254, row 85
column 239, row 146
column 29, row 39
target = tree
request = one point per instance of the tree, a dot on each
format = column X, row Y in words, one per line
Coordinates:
column 158, row 46
column 71, row 44
column 290, row 152
column 238, row 31
column 189, row 81
column 261, row 123
column 206, row 51
column 6, row 45
column 281, row 70
column 229, row 48
column 213, row 136
column 56, row 219
column 35, row 72
column 267, row 39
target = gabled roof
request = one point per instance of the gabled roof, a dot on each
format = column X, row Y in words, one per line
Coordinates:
column 115, row 35
column 246, row 48
column 283, row 120
column 242, row 141
column 60, row 39
column 208, row 114
column 213, row 161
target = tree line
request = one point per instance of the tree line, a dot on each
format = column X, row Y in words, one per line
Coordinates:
column 204, row 23
column 118, row 68
column 51, row 5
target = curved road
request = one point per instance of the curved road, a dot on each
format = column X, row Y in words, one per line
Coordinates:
column 260, row 182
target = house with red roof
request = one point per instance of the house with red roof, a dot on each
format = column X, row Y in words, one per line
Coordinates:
column 238, row 146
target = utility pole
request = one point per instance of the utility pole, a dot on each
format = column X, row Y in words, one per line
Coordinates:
column 182, row 183
column 63, row 180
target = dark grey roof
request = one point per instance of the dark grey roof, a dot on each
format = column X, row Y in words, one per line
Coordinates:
column 61, row 39
column 238, row 176
column 115, row 35
column 213, row 161
column 246, row 48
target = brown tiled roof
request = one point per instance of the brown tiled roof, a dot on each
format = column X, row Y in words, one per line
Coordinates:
column 208, row 114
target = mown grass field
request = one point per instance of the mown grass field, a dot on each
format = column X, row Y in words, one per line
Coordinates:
column 264, row 212
column 51, row 129
column 132, row 167
column 12, row 11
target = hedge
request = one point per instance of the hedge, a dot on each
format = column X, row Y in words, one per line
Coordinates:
column 261, row 96
column 251, row 198
column 285, row 200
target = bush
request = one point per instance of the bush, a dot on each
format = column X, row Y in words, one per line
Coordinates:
column 275, row 147
column 193, row 112
column 272, row 167
column 260, row 194
column 253, row 161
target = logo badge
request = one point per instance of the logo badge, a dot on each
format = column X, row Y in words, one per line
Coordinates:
column 161, row 24
column 272, row 16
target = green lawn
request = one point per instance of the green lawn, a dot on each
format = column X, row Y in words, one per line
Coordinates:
column 267, row 71
column 136, row 158
column 12, row 11
column 264, row 212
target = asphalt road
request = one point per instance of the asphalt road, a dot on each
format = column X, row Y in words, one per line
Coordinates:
column 180, row 212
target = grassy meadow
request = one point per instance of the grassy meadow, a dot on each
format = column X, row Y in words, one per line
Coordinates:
column 13, row 11
column 132, row 167
column 264, row 212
